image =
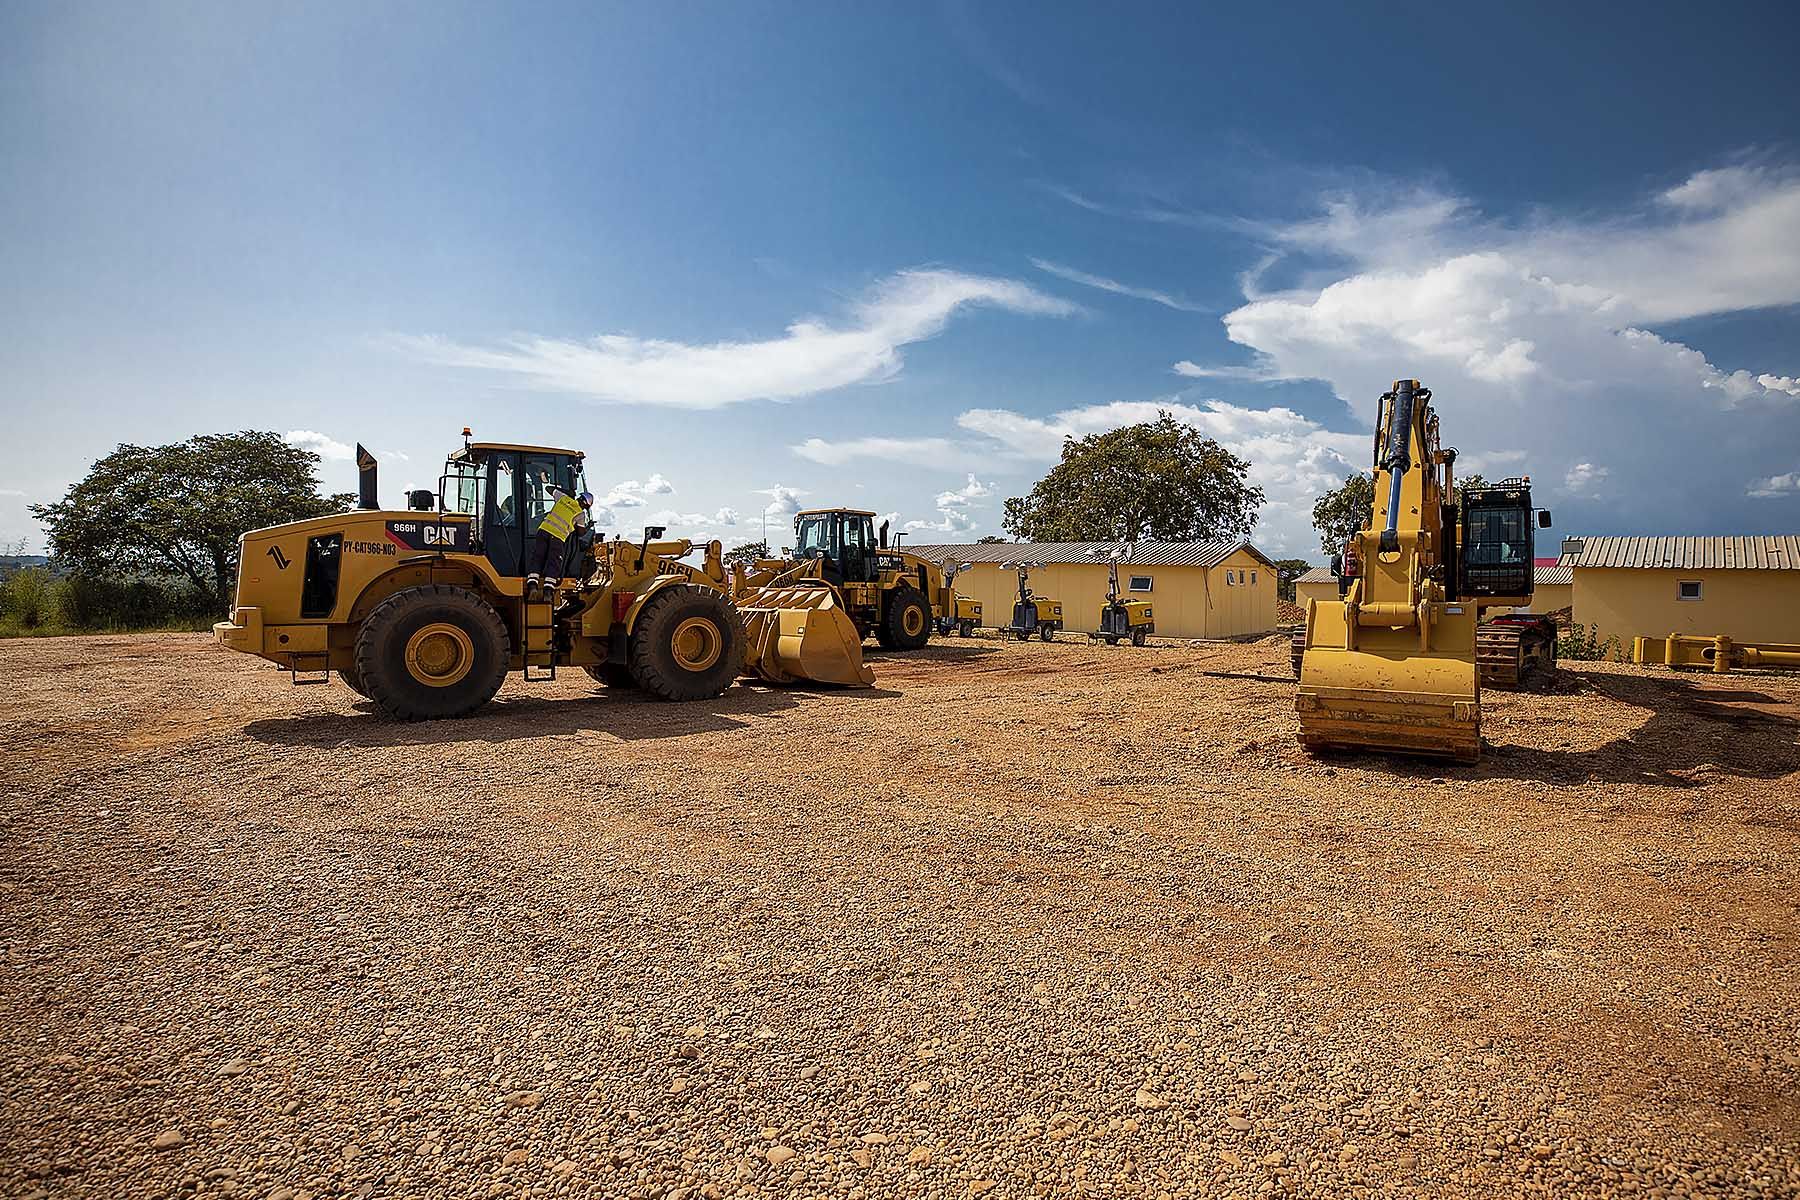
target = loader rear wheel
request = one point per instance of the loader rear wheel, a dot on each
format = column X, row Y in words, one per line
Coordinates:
column 687, row 645
column 907, row 623
column 430, row 652
column 354, row 682
column 611, row 674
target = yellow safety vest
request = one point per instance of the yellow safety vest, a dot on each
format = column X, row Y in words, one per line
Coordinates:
column 559, row 522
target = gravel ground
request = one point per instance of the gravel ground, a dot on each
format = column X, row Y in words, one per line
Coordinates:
column 1023, row 920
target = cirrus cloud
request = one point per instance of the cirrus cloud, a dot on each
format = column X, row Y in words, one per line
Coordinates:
column 811, row 357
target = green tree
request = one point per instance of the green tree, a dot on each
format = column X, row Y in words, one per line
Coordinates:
column 1286, row 571
column 990, row 540
column 177, row 511
column 1343, row 510
column 747, row 553
column 1470, row 483
column 1159, row 481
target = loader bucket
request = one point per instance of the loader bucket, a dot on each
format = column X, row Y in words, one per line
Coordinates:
column 799, row 632
column 1389, row 693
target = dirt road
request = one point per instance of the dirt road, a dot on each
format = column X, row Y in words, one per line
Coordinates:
column 1023, row 920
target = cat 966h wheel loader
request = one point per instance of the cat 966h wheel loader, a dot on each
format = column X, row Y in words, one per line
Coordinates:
column 883, row 590
column 1393, row 664
column 424, row 611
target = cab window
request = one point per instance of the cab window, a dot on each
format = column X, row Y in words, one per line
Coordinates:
column 813, row 537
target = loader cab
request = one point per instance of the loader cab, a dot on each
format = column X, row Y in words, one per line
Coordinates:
column 844, row 542
column 1498, row 542
column 506, row 488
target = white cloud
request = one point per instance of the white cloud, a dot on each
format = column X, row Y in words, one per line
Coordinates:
column 1104, row 284
column 811, row 357
column 12, row 493
column 783, row 501
column 951, row 521
column 726, row 517
column 633, row 493
column 1585, row 478
column 1775, row 485
column 961, row 497
column 918, row 452
column 1535, row 338
column 1292, row 458
column 329, row 449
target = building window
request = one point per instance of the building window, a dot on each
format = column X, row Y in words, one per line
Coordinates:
column 1231, row 579
column 1253, row 577
column 1688, row 589
column 1140, row 583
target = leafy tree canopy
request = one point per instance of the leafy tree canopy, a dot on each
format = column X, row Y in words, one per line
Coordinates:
column 1286, row 571
column 177, row 511
column 1339, row 513
column 747, row 553
column 990, row 540
column 1159, row 481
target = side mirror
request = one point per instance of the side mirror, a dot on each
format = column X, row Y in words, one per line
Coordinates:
column 1543, row 518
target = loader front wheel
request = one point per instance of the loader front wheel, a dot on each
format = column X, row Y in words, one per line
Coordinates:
column 687, row 645
column 430, row 652
column 354, row 682
column 907, row 623
column 611, row 674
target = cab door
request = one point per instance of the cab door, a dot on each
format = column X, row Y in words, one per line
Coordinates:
column 504, row 536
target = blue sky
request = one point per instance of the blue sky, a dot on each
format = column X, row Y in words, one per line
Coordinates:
column 751, row 256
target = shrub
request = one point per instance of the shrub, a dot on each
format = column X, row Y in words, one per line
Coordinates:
column 28, row 597
column 1586, row 645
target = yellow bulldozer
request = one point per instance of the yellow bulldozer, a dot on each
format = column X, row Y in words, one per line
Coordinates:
column 884, row 590
column 424, row 611
column 1397, row 662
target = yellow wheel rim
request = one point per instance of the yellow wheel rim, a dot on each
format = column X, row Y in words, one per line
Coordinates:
column 913, row 621
column 697, row 644
column 440, row 654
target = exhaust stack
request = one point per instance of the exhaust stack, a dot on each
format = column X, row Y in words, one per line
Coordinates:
column 365, row 479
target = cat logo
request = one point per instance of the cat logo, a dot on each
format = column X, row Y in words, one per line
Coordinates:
column 281, row 560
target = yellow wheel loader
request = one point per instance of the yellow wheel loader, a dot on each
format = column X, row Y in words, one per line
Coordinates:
column 1032, row 613
column 1392, row 664
column 1121, row 618
column 885, row 591
column 423, row 611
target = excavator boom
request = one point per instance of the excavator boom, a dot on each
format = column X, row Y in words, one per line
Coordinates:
column 1392, row 665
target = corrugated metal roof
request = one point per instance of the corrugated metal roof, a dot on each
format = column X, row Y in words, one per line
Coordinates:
column 1552, row 576
column 1779, row 552
column 1143, row 554
column 1318, row 575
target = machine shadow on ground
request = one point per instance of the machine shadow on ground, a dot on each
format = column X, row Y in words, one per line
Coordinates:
column 619, row 712
column 1689, row 727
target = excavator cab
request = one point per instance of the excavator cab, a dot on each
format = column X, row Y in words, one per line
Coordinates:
column 842, row 540
column 507, row 489
column 1497, row 543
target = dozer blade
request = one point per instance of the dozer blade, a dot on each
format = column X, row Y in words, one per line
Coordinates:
column 1390, row 699
column 799, row 632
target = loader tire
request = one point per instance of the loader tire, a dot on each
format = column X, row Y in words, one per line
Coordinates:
column 354, row 682
column 432, row 651
column 687, row 644
column 611, row 674
column 906, row 625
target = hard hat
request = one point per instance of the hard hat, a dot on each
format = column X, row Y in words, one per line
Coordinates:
column 586, row 498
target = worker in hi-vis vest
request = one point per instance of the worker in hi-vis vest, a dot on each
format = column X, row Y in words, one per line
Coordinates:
column 567, row 514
